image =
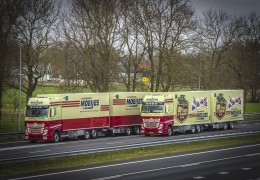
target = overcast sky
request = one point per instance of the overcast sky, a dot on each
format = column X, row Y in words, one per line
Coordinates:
column 236, row 7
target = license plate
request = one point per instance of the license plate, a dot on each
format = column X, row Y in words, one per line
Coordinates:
column 151, row 132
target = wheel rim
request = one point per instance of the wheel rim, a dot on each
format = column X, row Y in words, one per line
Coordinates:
column 169, row 131
column 137, row 130
column 198, row 129
column 56, row 137
column 193, row 130
column 86, row 135
column 94, row 133
column 128, row 131
column 225, row 126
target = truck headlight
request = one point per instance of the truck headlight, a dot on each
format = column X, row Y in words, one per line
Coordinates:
column 45, row 131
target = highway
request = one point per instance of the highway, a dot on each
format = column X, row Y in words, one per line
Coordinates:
column 24, row 149
column 240, row 163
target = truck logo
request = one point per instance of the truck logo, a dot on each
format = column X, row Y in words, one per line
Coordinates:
column 34, row 125
column 89, row 103
column 134, row 102
column 182, row 109
column 220, row 106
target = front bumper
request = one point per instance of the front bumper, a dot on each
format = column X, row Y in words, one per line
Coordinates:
column 154, row 131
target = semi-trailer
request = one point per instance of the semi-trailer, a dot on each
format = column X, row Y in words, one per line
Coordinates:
column 191, row 111
column 53, row 117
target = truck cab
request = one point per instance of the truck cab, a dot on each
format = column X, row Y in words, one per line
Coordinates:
column 157, row 114
column 42, row 119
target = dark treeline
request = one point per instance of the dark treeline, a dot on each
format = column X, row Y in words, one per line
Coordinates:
column 100, row 44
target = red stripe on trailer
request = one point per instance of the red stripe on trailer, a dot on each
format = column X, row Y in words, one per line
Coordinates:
column 86, row 123
column 119, row 101
column 116, row 121
column 104, row 108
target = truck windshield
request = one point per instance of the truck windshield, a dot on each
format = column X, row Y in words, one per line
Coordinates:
column 152, row 108
column 37, row 111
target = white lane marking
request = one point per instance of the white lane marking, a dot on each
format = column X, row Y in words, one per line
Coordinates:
column 39, row 151
column 149, row 160
column 30, row 146
column 246, row 169
column 189, row 165
column 199, row 177
column 120, row 142
column 223, row 173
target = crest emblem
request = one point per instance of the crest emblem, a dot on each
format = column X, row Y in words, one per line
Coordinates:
column 182, row 109
column 220, row 106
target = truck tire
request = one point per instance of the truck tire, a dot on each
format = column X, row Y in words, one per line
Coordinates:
column 198, row 129
column 128, row 131
column 225, row 126
column 231, row 125
column 137, row 130
column 56, row 137
column 193, row 130
column 169, row 131
column 86, row 135
column 93, row 133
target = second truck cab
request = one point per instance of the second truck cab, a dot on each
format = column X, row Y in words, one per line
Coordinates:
column 157, row 114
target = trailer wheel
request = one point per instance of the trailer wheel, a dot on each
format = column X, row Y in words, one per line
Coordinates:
column 128, row 131
column 169, row 131
column 137, row 130
column 225, row 126
column 56, row 136
column 86, row 135
column 93, row 133
column 198, row 129
column 193, row 130
column 231, row 125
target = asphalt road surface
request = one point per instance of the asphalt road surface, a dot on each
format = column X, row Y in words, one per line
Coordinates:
column 240, row 163
column 26, row 149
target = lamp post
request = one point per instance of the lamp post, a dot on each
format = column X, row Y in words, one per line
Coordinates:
column 20, row 87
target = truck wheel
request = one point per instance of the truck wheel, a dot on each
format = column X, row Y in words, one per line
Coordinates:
column 225, row 126
column 127, row 131
column 198, row 130
column 169, row 131
column 137, row 130
column 231, row 125
column 94, row 133
column 86, row 135
column 56, row 137
column 193, row 130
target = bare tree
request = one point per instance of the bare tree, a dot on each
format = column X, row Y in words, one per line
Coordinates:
column 92, row 28
column 131, row 47
column 164, row 26
column 35, row 27
column 9, row 11
column 219, row 31
column 244, row 58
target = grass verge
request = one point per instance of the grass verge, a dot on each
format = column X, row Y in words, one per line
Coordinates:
column 120, row 155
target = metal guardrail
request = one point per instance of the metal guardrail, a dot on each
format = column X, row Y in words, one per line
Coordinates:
column 20, row 133
column 123, row 147
column 11, row 133
column 252, row 115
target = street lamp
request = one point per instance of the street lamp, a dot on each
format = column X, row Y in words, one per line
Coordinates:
column 20, row 87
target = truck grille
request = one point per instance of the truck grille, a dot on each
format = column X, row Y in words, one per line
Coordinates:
column 35, row 128
column 151, row 123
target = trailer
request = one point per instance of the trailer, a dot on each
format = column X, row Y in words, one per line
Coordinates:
column 53, row 117
column 191, row 111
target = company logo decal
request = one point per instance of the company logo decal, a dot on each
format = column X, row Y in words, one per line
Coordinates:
column 220, row 106
column 182, row 109
column 88, row 103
